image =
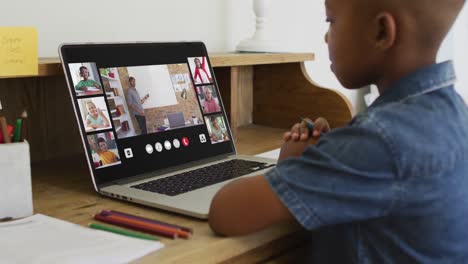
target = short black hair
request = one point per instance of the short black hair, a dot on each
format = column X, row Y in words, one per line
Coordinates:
column 83, row 67
column 100, row 140
column 131, row 79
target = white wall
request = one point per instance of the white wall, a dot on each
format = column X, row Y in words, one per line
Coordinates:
column 220, row 24
column 455, row 48
column 460, row 53
column 61, row 21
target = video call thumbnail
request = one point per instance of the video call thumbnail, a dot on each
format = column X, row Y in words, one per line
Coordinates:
column 85, row 78
column 216, row 128
column 151, row 99
column 200, row 70
column 104, row 150
column 209, row 99
column 94, row 114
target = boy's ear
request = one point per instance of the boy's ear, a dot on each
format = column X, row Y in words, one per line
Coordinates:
column 385, row 34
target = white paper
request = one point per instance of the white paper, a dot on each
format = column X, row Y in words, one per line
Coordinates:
column 93, row 89
column 43, row 239
column 15, row 178
column 274, row 154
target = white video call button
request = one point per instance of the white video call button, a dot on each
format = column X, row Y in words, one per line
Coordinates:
column 176, row 143
column 149, row 149
column 158, row 147
column 167, row 145
column 202, row 138
column 128, row 153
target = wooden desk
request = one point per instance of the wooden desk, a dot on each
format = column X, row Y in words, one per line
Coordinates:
column 62, row 189
column 263, row 94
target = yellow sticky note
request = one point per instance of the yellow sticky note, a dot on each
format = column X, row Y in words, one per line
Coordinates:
column 18, row 51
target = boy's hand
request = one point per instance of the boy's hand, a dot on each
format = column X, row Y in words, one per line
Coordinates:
column 300, row 131
column 292, row 148
column 320, row 126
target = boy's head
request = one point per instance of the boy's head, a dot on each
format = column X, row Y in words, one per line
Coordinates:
column 379, row 41
column 84, row 72
column 102, row 144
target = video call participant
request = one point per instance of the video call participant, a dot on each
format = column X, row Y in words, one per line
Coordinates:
column 135, row 102
column 201, row 75
column 210, row 105
column 86, row 82
column 217, row 134
column 95, row 118
column 107, row 157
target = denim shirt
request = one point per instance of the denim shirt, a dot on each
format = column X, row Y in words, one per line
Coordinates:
column 392, row 186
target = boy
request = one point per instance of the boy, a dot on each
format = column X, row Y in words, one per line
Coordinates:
column 107, row 156
column 392, row 186
column 86, row 82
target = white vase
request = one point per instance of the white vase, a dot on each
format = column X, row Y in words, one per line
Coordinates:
column 262, row 40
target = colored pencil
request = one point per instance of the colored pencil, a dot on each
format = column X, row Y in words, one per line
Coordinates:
column 121, row 231
column 150, row 226
column 17, row 133
column 24, row 116
column 4, row 127
column 186, row 229
column 178, row 231
column 117, row 222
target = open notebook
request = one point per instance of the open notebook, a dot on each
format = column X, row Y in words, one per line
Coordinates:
column 43, row 239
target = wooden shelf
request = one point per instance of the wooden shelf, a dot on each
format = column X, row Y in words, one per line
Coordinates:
column 109, row 78
column 52, row 66
column 255, row 139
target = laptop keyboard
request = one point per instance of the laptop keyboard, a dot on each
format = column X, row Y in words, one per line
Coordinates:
column 199, row 178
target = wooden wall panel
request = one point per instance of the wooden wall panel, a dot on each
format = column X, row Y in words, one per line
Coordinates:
column 283, row 93
column 223, row 78
column 52, row 131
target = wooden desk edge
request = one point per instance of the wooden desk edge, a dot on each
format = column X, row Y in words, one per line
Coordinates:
column 50, row 66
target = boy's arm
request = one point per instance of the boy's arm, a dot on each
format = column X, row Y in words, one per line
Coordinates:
column 249, row 204
column 97, row 85
column 245, row 206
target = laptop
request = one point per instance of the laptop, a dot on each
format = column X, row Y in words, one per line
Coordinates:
column 123, row 94
column 176, row 119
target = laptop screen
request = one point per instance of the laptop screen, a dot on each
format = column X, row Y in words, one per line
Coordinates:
column 145, row 107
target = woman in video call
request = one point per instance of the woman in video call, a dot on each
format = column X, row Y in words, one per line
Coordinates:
column 210, row 105
column 95, row 118
column 217, row 133
column 200, row 73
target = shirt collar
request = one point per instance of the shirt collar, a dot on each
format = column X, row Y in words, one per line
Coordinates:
column 422, row 81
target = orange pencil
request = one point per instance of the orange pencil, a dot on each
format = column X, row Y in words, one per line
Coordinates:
column 178, row 231
column 105, row 219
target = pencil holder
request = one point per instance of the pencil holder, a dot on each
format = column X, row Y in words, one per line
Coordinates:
column 15, row 180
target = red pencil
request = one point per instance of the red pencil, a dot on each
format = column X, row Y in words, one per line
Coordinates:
column 178, row 231
column 113, row 212
column 154, row 226
column 117, row 222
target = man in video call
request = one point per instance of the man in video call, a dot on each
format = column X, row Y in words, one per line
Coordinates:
column 135, row 102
